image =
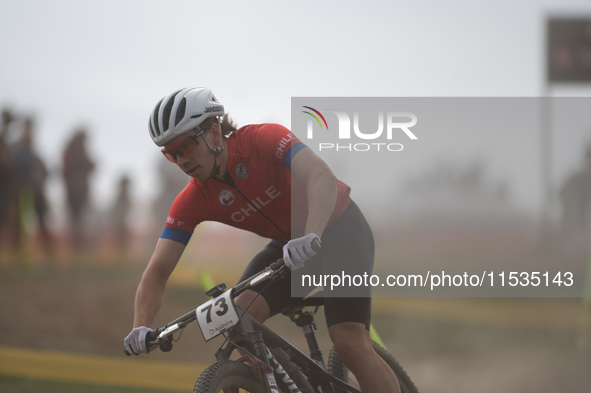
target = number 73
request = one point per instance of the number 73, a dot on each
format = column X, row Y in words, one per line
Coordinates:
column 223, row 308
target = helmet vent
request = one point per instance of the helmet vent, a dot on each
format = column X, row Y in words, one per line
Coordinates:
column 156, row 111
column 167, row 110
column 180, row 112
column 196, row 116
column 151, row 130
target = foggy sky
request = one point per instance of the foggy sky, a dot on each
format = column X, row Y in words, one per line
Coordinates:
column 105, row 64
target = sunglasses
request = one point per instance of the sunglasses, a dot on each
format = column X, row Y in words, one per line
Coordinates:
column 185, row 147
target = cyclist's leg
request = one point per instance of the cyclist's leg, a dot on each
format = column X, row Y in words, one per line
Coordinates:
column 348, row 247
column 353, row 344
column 259, row 309
column 275, row 296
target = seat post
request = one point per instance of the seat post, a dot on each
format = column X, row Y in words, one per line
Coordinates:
column 310, row 334
column 315, row 352
column 305, row 320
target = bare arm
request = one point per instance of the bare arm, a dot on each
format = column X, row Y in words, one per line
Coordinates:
column 149, row 294
column 322, row 188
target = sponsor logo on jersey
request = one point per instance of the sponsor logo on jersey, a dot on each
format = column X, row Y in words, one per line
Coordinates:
column 240, row 171
column 226, row 197
column 219, row 108
column 170, row 220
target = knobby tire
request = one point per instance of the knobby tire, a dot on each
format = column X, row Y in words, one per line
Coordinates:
column 228, row 374
column 339, row 370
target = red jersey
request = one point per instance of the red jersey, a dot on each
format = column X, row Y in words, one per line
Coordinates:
column 265, row 198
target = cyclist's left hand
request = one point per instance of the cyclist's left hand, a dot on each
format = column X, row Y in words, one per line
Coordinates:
column 135, row 342
column 297, row 251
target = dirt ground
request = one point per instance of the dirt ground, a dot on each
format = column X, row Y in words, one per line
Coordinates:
column 88, row 310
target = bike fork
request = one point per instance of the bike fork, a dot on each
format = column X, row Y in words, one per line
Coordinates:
column 269, row 366
column 265, row 372
column 282, row 373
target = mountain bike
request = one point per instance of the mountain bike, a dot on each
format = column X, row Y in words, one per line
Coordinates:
column 267, row 362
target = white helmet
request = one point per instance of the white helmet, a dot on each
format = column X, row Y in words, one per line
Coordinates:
column 182, row 111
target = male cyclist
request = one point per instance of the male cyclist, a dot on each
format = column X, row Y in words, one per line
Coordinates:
column 243, row 178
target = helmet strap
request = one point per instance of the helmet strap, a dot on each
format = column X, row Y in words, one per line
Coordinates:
column 216, row 169
column 216, row 151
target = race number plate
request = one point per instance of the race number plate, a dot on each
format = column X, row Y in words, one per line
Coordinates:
column 216, row 316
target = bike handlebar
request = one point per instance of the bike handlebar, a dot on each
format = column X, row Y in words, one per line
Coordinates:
column 275, row 269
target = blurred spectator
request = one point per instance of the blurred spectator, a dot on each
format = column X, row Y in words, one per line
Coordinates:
column 31, row 186
column 77, row 167
column 8, row 189
column 6, row 166
column 173, row 181
column 575, row 197
column 120, row 214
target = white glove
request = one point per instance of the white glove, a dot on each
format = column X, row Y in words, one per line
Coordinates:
column 135, row 342
column 298, row 251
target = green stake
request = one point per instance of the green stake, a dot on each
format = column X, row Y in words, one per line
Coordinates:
column 205, row 281
column 375, row 337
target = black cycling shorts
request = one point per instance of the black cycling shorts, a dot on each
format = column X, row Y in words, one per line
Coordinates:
column 347, row 244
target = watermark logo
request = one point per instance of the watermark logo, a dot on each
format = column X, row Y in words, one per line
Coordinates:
column 344, row 122
column 318, row 113
column 389, row 125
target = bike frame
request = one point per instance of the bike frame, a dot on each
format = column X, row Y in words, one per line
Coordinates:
column 250, row 333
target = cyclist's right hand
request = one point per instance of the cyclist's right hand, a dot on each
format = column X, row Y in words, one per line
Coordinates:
column 297, row 251
column 135, row 342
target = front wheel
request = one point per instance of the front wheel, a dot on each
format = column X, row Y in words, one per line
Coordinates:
column 229, row 376
column 339, row 370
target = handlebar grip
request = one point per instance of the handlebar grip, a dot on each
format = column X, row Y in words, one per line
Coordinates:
column 150, row 338
column 316, row 246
